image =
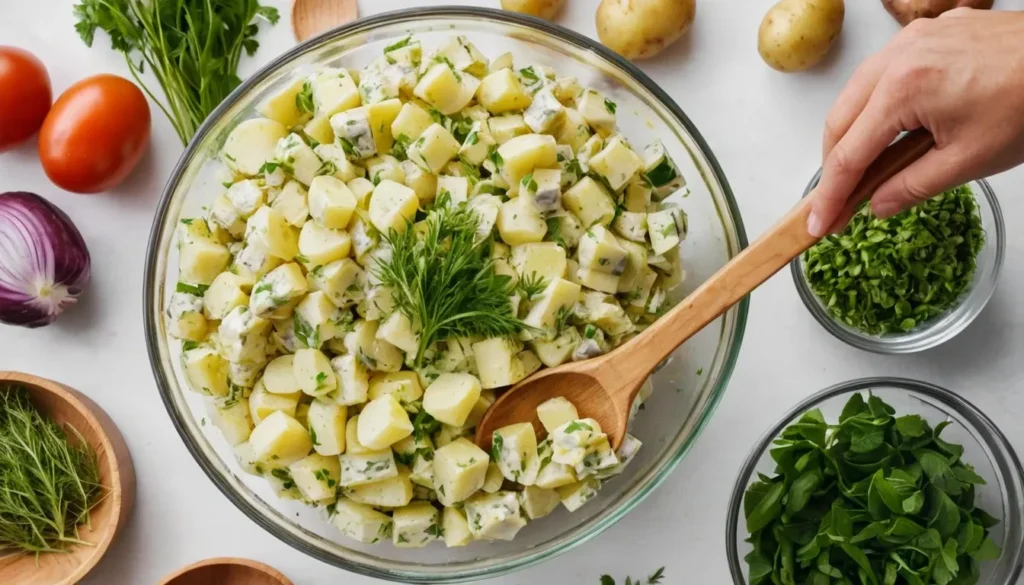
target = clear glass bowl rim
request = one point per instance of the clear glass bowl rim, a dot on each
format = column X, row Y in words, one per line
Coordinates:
column 970, row 305
column 1008, row 464
column 152, row 330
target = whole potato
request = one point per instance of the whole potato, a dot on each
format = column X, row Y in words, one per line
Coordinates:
column 906, row 11
column 797, row 34
column 540, row 8
column 637, row 29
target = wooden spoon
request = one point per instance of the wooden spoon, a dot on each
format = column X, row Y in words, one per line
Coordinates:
column 312, row 17
column 226, row 571
column 604, row 388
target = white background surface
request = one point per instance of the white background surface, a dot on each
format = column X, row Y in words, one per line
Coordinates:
column 765, row 129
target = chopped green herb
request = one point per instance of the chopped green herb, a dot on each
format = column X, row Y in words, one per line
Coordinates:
column 327, row 168
column 497, row 444
column 532, row 285
column 529, row 74
column 304, row 99
column 528, row 183
column 398, row 149
column 197, row 290
column 306, row 333
column 187, row 345
column 398, row 44
column 610, row 106
column 589, row 331
column 890, row 275
column 578, row 426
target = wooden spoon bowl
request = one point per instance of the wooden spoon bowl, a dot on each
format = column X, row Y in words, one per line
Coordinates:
column 313, row 17
column 66, row 406
column 226, row 571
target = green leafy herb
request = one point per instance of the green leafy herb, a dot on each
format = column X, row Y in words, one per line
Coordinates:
column 304, row 99
column 890, row 275
column 532, row 285
column 424, row 425
column 321, row 380
column 443, row 279
column 529, row 74
column 191, row 47
column 327, row 168
column 874, row 499
column 497, row 444
column 197, row 290
column 398, row 150
column 49, row 479
column 495, row 157
column 187, row 345
column 528, row 183
column 306, row 333
column 610, row 106
column 404, row 42
column 555, row 231
column 435, row 530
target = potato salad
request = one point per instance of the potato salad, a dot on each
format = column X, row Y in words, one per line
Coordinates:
column 395, row 245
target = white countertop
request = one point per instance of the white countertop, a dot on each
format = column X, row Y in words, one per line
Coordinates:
column 765, row 129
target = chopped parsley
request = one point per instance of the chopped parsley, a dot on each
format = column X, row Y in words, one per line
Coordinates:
column 304, row 99
column 193, row 289
column 610, row 106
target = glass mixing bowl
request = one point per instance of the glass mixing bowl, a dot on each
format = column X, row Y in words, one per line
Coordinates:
column 941, row 328
column 985, row 447
column 668, row 429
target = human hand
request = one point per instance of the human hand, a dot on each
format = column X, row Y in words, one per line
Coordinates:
column 961, row 76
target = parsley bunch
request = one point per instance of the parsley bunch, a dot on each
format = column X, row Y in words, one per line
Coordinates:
column 888, row 275
column 876, row 499
column 192, row 47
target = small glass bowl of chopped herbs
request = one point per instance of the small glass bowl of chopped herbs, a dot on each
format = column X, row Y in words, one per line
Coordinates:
column 881, row 481
column 907, row 283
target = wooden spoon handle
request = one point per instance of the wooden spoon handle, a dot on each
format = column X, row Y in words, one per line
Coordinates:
column 783, row 242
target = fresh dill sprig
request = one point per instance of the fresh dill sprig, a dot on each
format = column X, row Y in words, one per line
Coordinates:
column 48, row 482
column 532, row 285
column 443, row 279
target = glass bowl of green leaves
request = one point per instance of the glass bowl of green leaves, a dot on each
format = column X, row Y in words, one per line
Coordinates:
column 908, row 283
column 883, row 481
column 686, row 389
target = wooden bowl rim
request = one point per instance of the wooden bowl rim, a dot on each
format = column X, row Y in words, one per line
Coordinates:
column 92, row 413
column 230, row 561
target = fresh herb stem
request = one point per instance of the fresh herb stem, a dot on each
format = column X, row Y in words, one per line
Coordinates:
column 48, row 482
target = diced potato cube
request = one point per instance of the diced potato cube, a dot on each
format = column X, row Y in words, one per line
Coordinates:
column 280, row 439
column 334, row 91
column 559, row 295
column 319, row 129
column 515, row 451
column 598, row 111
column 433, row 149
column 393, row 492
column 496, row 360
column 339, row 280
column 637, row 198
column 224, row 216
column 631, row 226
column 254, row 261
column 460, row 468
column 661, row 170
column 573, row 131
column 243, row 336
column 617, row 163
column 353, row 380
column 319, row 246
column 352, row 444
column 246, row 196
column 571, row 441
column 354, row 131
column 667, row 228
column 522, row 154
column 367, row 467
column 597, row 280
column 361, row 522
column 600, row 251
column 317, row 320
column 411, row 121
column 375, row 354
column 502, row 61
column 200, row 261
column 279, row 288
column 456, row 528
column 575, row 495
column 404, row 386
column 232, row 418
column 274, row 234
column 279, row 376
column 494, row 479
column 636, row 262
column 331, row 203
column 486, row 208
column 555, row 475
column 589, row 201
column 225, row 293
column 445, row 89
column 451, row 397
column 420, row 181
column 457, row 188
column 336, row 164
column 416, row 525
column 299, row 158
column 567, row 89
column 543, row 187
column 251, row 144
column 501, row 92
column 282, row 106
column 316, row 476
column 494, row 516
column 383, row 422
column 313, row 372
column 559, row 350
column 291, row 204
column 538, row 502
column 505, row 128
column 362, row 189
column 263, row 403
column 477, row 145
column 399, row 331
column 556, row 412
column 326, row 422
column 379, row 81
column 599, row 458
column 545, row 112
column 543, row 259
column 185, row 318
column 519, row 222
column 392, row 206
column 381, row 115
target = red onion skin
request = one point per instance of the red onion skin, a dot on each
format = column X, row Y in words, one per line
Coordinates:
column 56, row 248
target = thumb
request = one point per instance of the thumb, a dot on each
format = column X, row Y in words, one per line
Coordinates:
column 939, row 169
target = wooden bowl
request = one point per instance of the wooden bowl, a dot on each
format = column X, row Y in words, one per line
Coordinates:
column 312, row 17
column 226, row 571
column 65, row 405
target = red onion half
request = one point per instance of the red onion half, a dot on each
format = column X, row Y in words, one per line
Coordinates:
column 44, row 262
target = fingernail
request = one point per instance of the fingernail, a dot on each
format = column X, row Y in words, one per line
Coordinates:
column 815, row 226
column 885, row 209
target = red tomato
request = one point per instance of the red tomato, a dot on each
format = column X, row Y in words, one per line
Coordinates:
column 97, row 132
column 24, row 96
